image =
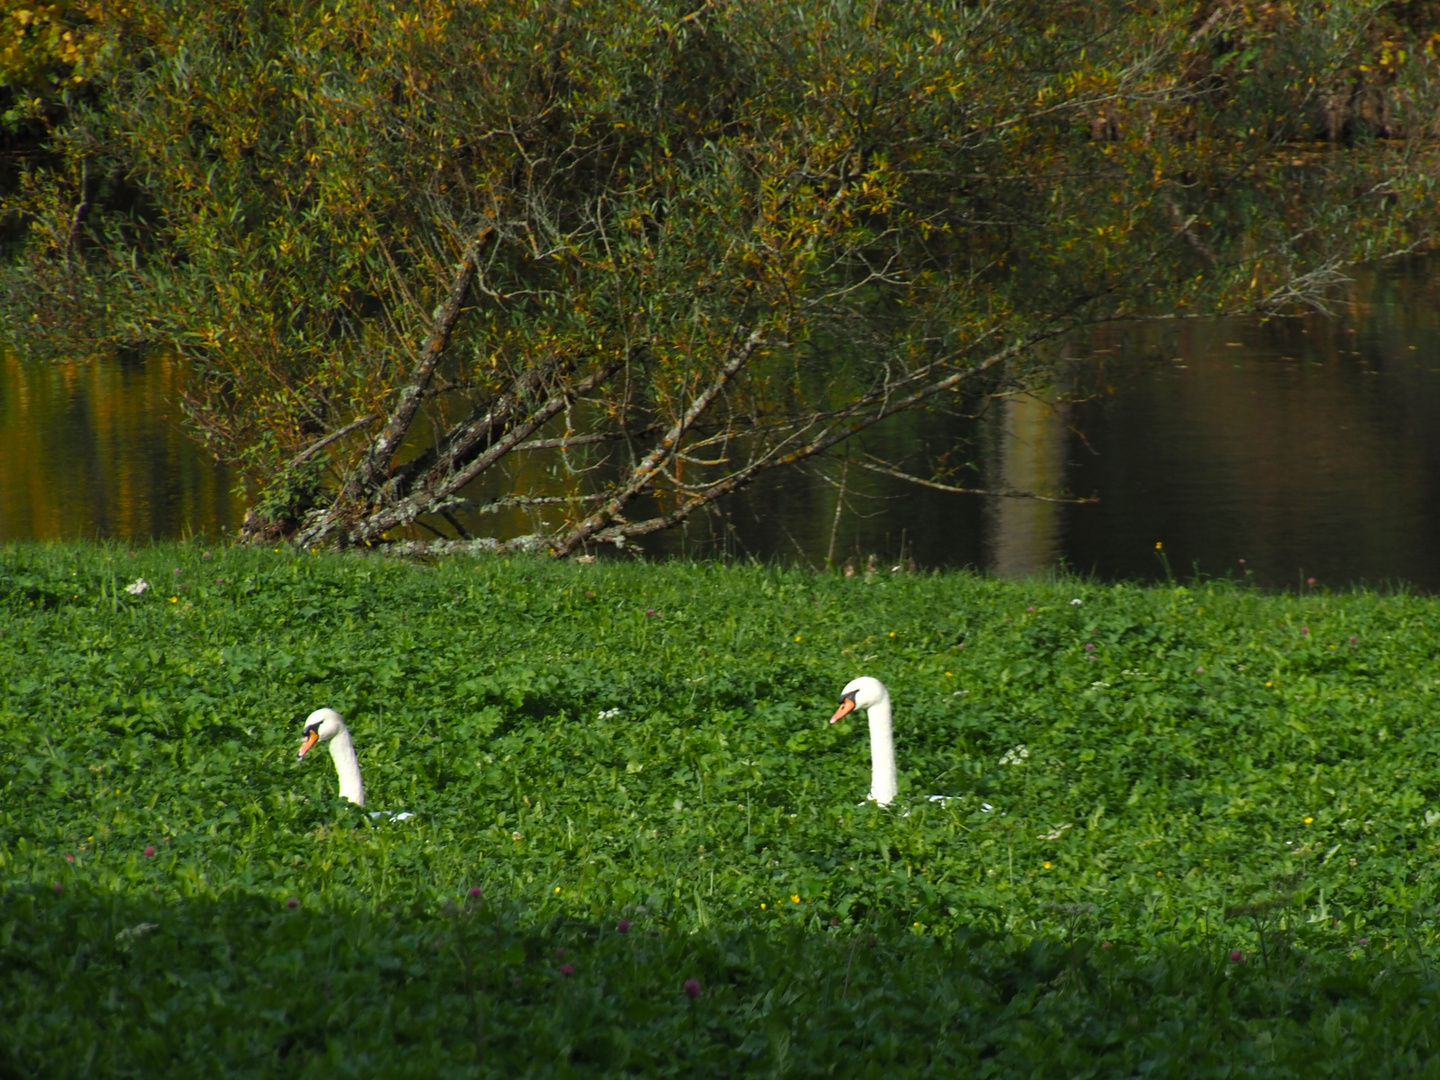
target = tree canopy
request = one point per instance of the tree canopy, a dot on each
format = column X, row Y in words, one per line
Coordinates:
column 616, row 260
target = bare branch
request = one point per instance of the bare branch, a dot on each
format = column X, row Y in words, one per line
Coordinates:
column 567, row 441
column 835, row 429
column 320, row 444
column 369, row 469
column 438, row 488
column 886, row 470
column 645, row 472
column 510, row 502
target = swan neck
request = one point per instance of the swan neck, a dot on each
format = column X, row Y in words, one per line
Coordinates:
column 883, row 781
column 347, row 767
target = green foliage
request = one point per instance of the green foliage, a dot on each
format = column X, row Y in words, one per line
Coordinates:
column 51, row 49
column 1222, row 770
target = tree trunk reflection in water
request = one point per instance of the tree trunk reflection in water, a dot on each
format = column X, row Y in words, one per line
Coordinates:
column 1028, row 454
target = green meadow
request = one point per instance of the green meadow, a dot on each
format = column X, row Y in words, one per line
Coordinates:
column 1191, row 830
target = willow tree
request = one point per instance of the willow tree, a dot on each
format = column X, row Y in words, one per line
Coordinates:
column 410, row 250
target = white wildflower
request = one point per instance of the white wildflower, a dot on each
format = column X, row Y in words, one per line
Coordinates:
column 1075, row 602
column 130, row 933
column 608, row 714
column 1016, row 755
column 138, row 586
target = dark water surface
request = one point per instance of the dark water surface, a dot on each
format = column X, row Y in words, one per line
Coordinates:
column 1306, row 447
column 93, row 450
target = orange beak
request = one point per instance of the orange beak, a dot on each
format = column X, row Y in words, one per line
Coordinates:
column 311, row 738
column 847, row 706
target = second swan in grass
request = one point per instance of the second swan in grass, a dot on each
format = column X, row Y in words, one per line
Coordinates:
column 327, row 726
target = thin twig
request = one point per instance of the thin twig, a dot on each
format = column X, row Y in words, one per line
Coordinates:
column 839, row 506
column 316, row 447
column 937, row 486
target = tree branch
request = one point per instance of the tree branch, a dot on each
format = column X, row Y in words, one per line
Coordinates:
column 837, row 427
column 885, row 470
column 645, row 472
column 407, row 510
column 368, row 470
column 317, row 446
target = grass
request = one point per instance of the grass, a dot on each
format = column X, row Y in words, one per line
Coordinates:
column 1190, row 774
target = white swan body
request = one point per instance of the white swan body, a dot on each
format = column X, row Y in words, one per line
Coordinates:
column 327, row 726
column 870, row 694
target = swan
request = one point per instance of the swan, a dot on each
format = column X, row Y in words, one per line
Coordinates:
column 327, row 726
column 871, row 695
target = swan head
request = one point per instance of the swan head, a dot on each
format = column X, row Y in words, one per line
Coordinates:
column 861, row 693
column 322, row 725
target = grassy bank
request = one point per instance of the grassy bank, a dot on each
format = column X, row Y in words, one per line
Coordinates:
column 1174, row 776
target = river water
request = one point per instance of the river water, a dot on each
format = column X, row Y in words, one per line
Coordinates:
column 1283, row 451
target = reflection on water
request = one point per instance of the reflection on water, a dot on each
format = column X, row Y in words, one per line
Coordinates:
column 1284, row 450
column 1306, row 448
column 90, row 450
column 1025, row 534
column 1278, row 450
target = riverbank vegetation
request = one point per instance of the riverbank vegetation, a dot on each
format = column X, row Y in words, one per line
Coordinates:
column 1191, row 829
column 611, row 262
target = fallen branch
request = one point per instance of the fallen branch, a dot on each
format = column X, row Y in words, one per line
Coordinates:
column 646, row 471
column 377, row 461
column 510, row 502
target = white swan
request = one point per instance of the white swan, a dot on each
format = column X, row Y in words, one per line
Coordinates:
column 327, row 726
column 870, row 694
